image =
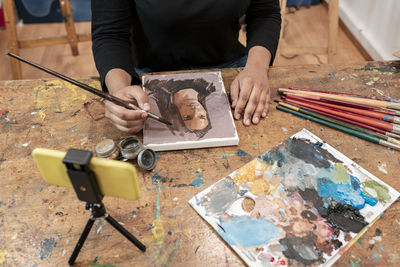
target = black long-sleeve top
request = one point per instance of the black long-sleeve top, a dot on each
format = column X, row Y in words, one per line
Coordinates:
column 178, row 34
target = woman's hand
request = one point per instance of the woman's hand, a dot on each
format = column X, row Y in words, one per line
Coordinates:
column 131, row 121
column 250, row 92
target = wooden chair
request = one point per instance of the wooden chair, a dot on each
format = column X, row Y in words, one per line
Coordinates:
column 14, row 44
column 331, row 49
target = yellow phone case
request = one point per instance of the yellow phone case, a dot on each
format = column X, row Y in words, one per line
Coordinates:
column 114, row 178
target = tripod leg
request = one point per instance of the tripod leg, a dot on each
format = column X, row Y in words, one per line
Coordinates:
column 81, row 240
column 123, row 231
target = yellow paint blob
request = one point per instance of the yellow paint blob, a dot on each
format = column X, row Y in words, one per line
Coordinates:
column 260, row 186
column 42, row 114
column 339, row 174
column 158, row 231
column 186, row 232
column 3, row 254
column 95, row 84
column 250, row 171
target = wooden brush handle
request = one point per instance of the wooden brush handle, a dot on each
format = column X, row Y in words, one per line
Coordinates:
column 372, row 102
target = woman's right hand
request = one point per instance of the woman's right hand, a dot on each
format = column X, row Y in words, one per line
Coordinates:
column 125, row 120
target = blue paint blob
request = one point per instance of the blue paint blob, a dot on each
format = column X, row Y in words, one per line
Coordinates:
column 381, row 248
column 46, row 247
column 241, row 153
column 156, row 179
column 376, row 257
column 197, row 182
column 248, row 232
column 387, row 117
column 346, row 193
column 134, row 212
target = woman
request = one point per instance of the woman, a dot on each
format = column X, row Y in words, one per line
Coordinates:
column 183, row 102
column 163, row 35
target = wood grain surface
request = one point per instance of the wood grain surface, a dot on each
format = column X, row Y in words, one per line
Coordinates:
column 40, row 223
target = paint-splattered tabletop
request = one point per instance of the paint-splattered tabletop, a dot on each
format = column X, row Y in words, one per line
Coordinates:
column 40, row 223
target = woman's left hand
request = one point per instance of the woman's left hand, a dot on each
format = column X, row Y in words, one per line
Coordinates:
column 250, row 92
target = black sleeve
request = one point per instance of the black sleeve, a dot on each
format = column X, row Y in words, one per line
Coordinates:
column 263, row 19
column 111, row 42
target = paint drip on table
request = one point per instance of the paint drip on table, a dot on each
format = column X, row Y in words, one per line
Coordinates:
column 299, row 204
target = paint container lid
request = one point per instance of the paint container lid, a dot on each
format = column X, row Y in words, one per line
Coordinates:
column 147, row 159
column 107, row 149
column 130, row 147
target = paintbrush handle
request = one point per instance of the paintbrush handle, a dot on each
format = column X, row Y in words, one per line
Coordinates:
column 369, row 113
column 347, row 104
column 339, row 122
column 341, row 128
column 367, row 120
column 347, row 94
column 372, row 102
column 111, row 98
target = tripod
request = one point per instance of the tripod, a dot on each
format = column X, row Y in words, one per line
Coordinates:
column 84, row 182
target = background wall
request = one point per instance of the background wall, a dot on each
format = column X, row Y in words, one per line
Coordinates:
column 375, row 24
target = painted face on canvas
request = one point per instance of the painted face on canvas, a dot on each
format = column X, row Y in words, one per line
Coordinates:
column 191, row 111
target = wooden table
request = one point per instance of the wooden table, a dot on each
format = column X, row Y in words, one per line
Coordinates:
column 40, row 224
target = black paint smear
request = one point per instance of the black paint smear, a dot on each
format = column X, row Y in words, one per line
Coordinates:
column 311, row 195
column 181, row 185
column 393, row 66
column 378, row 232
column 298, row 248
column 309, row 215
column 336, row 243
column 310, row 153
column 273, row 156
column 346, row 217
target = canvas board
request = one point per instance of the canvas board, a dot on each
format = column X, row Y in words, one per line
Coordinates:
column 197, row 106
column 302, row 203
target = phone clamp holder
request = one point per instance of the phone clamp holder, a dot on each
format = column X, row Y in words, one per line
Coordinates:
column 85, row 185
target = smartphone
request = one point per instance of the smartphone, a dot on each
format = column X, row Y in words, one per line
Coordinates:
column 114, row 178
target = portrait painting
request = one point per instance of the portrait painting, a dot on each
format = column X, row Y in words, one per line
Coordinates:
column 197, row 106
column 302, row 203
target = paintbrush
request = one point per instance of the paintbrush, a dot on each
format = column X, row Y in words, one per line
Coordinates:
column 352, row 132
column 339, row 122
column 390, row 127
column 347, row 94
column 372, row 102
column 348, row 104
column 107, row 96
column 368, row 113
column 363, row 125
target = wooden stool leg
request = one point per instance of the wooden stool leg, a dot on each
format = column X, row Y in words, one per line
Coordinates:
column 333, row 29
column 283, row 11
column 12, row 39
column 69, row 26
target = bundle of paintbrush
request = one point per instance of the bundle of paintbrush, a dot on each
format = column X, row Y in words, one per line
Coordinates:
column 371, row 118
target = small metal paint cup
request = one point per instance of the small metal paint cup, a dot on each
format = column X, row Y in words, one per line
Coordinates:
column 132, row 148
column 107, row 149
column 147, row 159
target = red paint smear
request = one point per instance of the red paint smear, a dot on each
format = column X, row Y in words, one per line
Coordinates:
column 282, row 262
column 3, row 111
column 272, row 259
